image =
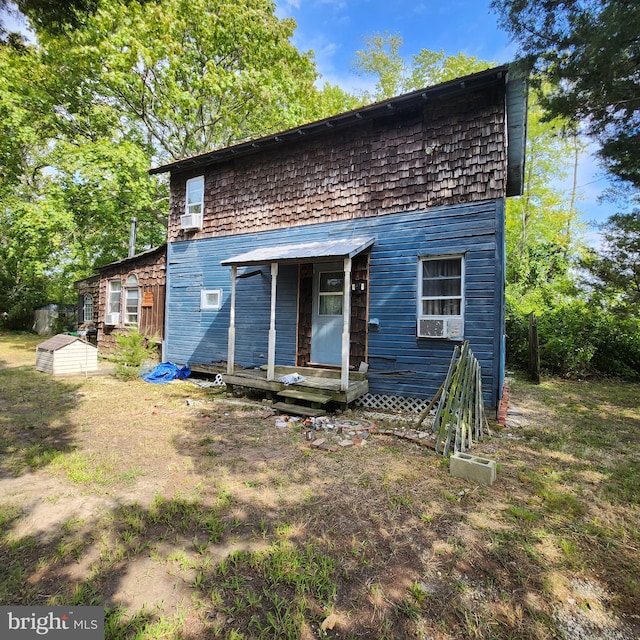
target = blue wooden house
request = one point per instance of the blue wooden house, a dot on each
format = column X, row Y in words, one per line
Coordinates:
column 355, row 251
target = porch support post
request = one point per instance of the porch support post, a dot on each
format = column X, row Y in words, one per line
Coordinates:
column 271, row 354
column 346, row 325
column 231, row 347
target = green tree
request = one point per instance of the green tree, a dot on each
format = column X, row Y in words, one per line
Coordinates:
column 65, row 200
column 614, row 268
column 31, row 231
column 590, row 53
column 543, row 226
column 381, row 58
column 108, row 90
column 52, row 16
column 101, row 186
column 20, row 137
column 333, row 99
column 191, row 75
column 433, row 67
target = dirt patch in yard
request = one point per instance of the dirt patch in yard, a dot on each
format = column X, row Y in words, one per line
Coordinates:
column 190, row 514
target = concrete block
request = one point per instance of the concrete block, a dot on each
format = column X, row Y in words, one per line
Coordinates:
column 474, row 468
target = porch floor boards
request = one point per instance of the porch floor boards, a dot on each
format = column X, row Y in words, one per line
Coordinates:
column 319, row 387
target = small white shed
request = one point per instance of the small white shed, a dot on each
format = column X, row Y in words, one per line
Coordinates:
column 66, row 354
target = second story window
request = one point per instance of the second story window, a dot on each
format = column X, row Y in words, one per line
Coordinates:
column 195, row 196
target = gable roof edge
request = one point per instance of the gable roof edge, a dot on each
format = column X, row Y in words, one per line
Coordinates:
column 516, row 111
column 454, row 87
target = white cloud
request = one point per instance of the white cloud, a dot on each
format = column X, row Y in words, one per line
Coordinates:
column 285, row 8
column 325, row 52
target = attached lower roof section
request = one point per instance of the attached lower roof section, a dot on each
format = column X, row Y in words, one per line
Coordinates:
column 306, row 252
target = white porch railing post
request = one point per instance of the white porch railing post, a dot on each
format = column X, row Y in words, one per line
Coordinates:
column 231, row 347
column 271, row 355
column 346, row 326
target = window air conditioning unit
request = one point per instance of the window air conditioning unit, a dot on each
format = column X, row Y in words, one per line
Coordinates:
column 450, row 328
column 191, row 221
column 112, row 319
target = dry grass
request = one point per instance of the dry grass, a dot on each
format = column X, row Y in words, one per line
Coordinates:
column 190, row 515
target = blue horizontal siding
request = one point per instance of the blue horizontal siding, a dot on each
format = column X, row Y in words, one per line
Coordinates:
column 400, row 363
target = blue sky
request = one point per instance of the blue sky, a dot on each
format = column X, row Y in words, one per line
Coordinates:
column 335, row 30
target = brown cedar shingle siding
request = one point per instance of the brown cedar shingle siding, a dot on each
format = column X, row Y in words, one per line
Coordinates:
column 447, row 152
column 150, row 269
column 88, row 286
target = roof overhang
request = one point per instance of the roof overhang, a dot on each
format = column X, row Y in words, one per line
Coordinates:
column 451, row 88
column 325, row 251
column 137, row 256
column 516, row 108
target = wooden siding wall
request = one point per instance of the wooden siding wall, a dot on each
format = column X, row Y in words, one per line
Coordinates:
column 448, row 152
column 305, row 314
column 400, row 363
column 150, row 269
column 359, row 308
column 91, row 287
column 152, row 317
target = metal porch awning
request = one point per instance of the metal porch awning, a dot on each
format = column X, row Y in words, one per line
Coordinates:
column 317, row 251
column 325, row 251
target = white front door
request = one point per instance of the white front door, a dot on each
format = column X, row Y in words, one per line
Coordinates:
column 328, row 305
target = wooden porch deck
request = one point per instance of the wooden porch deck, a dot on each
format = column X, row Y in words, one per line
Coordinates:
column 320, row 388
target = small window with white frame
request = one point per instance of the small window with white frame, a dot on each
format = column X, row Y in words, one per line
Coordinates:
column 441, row 297
column 210, row 299
column 132, row 301
column 194, row 201
column 114, row 293
column 87, row 308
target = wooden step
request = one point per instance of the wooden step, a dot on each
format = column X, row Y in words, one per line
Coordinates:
column 298, row 410
column 305, row 396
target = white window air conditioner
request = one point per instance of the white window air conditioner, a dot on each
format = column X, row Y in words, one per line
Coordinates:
column 449, row 328
column 112, row 319
column 191, row 221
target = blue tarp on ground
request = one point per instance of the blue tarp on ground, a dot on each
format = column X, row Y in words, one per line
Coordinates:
column 166, row 372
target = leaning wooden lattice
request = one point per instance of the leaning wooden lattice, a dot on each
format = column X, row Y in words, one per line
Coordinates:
column 460, row 416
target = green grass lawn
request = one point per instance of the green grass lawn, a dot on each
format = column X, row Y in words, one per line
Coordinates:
column 188, row 514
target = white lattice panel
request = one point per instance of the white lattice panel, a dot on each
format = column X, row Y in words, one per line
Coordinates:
column 391, row 403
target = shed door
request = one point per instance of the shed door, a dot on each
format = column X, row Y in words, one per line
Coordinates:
column 328, row 304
